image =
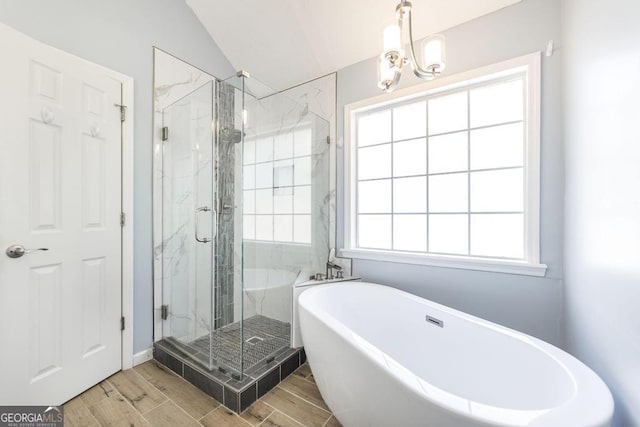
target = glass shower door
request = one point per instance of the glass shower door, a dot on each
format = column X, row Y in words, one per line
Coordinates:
column 189, row 216
column 285, row 213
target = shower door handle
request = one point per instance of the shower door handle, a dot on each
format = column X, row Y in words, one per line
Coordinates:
column 198, row 210
column 215, row 223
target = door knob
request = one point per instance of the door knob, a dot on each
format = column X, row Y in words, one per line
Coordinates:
column 16, row 251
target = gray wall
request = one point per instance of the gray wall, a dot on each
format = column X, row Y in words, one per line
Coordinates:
column 602, row 195
column 532, row 305
column 119, row 34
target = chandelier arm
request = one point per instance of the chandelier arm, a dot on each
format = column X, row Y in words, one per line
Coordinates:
column 397, row 62
column 415, row 66
column 390, row 85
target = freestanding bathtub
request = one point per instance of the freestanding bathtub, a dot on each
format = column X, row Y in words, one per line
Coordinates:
column 268, row 292
column 383, row 357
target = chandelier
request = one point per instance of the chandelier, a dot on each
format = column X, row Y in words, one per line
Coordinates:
column 392, row 60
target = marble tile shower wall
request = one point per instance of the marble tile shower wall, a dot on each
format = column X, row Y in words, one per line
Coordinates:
column 226, row 199
column 173, row 80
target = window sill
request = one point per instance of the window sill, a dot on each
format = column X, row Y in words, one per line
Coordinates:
column 465, row 263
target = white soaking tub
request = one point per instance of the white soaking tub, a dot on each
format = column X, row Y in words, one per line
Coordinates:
column 383, row 357
column 268, row 292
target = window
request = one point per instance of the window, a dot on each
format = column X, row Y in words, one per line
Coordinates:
column 447, row 173
column 277, row 187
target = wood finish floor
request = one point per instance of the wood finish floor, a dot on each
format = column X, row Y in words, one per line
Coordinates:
column 152, row 395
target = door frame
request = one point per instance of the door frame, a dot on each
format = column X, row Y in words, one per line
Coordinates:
column 127, row 140
column 127, row 253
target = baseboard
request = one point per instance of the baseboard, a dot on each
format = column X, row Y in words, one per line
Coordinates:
column 143, row 356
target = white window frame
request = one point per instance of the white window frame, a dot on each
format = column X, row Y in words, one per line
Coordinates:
column 529, row 65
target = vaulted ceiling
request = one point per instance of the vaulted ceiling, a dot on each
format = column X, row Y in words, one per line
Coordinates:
column 286, row 42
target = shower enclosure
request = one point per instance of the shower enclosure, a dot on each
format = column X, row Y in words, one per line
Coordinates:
column 245, row 216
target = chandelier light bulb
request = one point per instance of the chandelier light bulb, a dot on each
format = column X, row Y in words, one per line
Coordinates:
column 392, row 40
column 434, row 55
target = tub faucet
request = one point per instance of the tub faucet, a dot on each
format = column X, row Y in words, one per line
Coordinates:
column 330, row 267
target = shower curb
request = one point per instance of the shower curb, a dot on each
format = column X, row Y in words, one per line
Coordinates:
column 233, row 394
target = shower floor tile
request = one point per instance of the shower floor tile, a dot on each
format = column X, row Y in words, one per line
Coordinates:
column 263, row 337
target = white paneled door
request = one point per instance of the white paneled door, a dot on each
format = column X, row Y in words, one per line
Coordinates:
column 60, row 200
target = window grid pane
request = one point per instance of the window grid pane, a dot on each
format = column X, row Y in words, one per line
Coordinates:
column 461, row 174
column 277, row 190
